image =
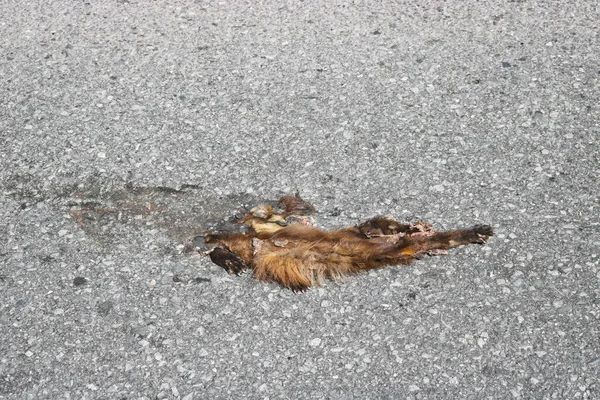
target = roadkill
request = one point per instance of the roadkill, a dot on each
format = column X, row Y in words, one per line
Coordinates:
column 282, row 245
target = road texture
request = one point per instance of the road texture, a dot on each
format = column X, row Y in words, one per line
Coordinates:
column 128, row 127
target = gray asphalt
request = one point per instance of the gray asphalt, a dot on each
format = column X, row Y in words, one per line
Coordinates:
column 128, row 127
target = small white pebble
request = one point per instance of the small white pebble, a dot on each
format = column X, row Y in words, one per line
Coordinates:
column 557, row 304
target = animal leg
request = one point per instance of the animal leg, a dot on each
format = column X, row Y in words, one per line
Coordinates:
column 417, row 244
column 239, row 244
column 227, row 260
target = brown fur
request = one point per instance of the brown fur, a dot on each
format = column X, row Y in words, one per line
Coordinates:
column 283, row 247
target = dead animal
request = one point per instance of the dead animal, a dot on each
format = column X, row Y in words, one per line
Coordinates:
column 282, row 244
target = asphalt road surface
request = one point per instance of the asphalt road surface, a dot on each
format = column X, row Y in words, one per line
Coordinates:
column 129, row 127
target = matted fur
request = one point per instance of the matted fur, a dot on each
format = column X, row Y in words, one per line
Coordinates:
column 282, row 246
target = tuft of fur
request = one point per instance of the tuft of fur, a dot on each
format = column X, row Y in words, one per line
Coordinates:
column 284, row 247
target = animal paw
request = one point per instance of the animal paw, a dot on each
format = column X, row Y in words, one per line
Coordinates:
column 482, row 233
column 232, row 263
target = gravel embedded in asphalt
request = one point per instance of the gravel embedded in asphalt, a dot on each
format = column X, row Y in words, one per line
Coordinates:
column 128, row 128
